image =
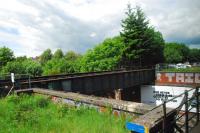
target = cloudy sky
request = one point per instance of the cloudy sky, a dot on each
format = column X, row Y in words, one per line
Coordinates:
column 30, row 26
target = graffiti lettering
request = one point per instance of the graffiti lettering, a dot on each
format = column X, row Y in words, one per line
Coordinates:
column 163, row 95
column 177, row 78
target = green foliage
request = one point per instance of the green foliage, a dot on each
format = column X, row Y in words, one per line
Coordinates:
column 104, row 56
column 72, row 56
column 57, row 66
column 58, row 54
column 6, row 55
column 22, row 114
column 32, row 67
column 175, row 53
column 61, row 64
column 194, row 55
column 23, row 66
column 21, row 58
column 13, row 67
column 143, row 45
column 45, row 56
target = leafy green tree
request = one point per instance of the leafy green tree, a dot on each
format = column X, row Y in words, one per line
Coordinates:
column 176, row 52
column 73, row 60
column 57, row 66
column 172, row 55
column 58, row 54
column 45, row 56
column 13, row 67
column 27, row 66
column 105, row 56
column 185, row 51
column 194, row 55
column 32, row 67
column 6, row 55
column 21, row 58
column 143, row 45
column 71, row 56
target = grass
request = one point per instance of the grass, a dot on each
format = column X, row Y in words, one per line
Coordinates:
column 37, row 114
column 192, row 69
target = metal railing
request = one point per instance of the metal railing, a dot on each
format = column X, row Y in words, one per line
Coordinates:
column 186, row 114
column 16, row 83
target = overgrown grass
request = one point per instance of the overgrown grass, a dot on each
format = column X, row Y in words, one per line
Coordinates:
column 192, row 69
column 37, row 114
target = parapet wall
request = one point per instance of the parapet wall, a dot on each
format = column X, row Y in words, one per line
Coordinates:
column 118, row 106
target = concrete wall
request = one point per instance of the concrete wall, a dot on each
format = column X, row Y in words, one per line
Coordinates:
column 155, row 95
column 119, row 106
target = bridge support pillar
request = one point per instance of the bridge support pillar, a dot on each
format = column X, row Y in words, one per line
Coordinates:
column 118, row 95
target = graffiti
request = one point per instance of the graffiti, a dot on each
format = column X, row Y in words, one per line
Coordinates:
column 163, row 95
column 80, row 103
column 178, row 78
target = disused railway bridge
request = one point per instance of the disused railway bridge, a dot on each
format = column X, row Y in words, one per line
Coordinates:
column 107, row 83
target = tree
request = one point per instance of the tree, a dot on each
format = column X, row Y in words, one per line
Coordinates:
column 176, row 52
column 71, row 55
column 194, row 55
column 143, row 45
column 57, row 66
column 6, row 55
column 45, row 56
column 21, row 58
column 172, row 55
column 32, row 67
column 105, row 56
column 184, row 50
column 13, row 67
column 58, row 54
column 25, row 66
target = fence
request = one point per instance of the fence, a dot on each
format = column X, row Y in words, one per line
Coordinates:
column 187, row 113
column 5, row 88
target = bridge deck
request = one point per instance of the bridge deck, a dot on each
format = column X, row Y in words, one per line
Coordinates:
column 88, row 83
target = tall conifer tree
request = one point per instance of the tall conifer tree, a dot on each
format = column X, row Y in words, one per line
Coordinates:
column 140, row 40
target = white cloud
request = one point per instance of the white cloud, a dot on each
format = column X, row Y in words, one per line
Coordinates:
column 29, row 27
column 93, row 34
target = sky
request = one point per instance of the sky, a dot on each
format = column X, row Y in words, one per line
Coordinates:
column 29, row 27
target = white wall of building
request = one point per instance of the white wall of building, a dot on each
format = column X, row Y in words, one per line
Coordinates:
column 155, row 95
